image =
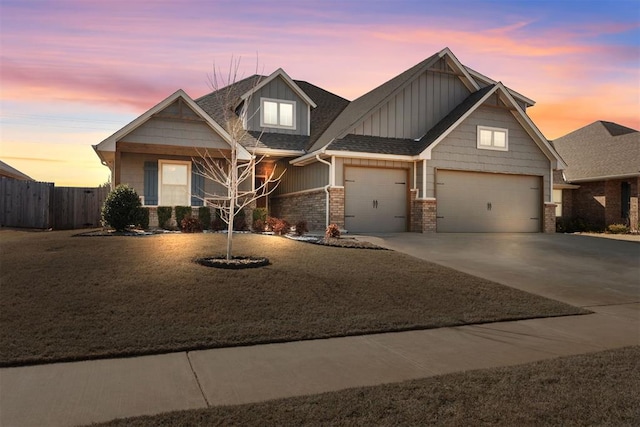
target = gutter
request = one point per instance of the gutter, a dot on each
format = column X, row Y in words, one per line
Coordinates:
column 605, row 177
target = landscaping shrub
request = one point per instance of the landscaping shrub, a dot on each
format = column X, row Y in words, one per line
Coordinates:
column 258, row 226
column 181, row 213
column 301, row 228
column 277, row 225
column 164, row 216
column 190, row 224
column 240, row 221
column 260, row 214
column 333, row 231
column 617, row 229
column 143, row 218
column 121, row 208
column 204, row 215
column 218, row 224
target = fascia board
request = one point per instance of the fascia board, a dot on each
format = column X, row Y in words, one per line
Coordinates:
column 533, row 130
column 489, row 80
column 461, row 68
column 426, row 154
column 280, row 72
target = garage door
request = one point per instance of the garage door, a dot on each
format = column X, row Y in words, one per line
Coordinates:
column 375, row 200
column 470, row 202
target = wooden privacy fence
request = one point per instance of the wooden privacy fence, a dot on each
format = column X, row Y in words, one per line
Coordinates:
column 32, row 204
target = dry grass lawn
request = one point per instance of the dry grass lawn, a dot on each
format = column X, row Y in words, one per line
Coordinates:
column 593, row 389
column 66, row 298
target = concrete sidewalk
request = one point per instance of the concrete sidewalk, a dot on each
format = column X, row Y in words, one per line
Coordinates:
column 66, row 394
column 584, row 271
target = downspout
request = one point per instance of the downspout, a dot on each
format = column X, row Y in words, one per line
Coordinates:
column 326, row 187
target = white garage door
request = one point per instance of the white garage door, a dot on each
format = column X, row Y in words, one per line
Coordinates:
column 470, row 202
column 375, row 200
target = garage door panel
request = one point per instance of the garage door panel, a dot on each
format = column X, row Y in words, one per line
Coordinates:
column 487, row 202
column 375, row 200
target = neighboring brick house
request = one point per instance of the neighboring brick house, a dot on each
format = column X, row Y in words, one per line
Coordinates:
column 439, row 147
column 600, row 185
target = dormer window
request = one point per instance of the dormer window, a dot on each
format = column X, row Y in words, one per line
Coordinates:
column 277, row 113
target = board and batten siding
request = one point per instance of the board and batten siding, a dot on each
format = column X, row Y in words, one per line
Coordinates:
column 301, row 178
column 278, row 89
column 132, row 172
column 416, row 108
column 458, row 151
column 163, row 131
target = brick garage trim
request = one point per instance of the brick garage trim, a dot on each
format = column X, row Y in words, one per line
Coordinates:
column 549, row 220
column 423, row 215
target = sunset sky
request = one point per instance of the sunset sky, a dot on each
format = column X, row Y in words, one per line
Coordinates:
column 74, row 72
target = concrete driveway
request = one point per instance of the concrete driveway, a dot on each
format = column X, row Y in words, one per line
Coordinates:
column 580, row 270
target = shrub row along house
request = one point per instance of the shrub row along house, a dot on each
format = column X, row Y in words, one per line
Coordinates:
column 439, row 147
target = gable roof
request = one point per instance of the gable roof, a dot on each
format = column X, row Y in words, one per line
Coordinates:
column 599, row 151
column 278, row 73
column 327, row 107
column 109, row 144
column 11, row 172
column 368, row 102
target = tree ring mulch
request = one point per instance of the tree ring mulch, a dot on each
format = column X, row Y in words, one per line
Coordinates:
column 235, row 263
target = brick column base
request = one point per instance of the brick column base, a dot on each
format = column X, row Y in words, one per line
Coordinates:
column 423, row 215
column 549, row 225
column 336, row 206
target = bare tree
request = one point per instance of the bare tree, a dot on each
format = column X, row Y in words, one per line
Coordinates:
column 227, row 169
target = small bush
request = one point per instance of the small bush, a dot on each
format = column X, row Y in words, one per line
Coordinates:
column 333, row 231
column 301, row 228
column 239, row 221
column 618, row 229
column 258, row 226
column 190, row 224
column 204, row 215
column 164, row 216
column 182, row 212
column 143, row 218
column 121, row 208
column 277, row 225
column 259, row 214
column 218, row 224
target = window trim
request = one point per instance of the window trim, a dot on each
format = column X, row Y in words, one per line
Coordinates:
column 493, row 130
column 161, row 163
column 278, row 102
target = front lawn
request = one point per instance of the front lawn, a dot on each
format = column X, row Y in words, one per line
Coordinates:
column 591, row 389
column 66, row 298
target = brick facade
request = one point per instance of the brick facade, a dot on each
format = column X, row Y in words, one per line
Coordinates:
column 423, row 215
column 310, row 206
column 549, row 221
column 599, row 203
column 336, row 206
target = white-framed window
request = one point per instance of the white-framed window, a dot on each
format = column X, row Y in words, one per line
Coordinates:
column 174, row 178
column 490, row 138
column 557, row 199
column 276, row 113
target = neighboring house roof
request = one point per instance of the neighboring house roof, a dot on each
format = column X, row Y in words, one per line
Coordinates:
column 11, row 172
column 599, row 151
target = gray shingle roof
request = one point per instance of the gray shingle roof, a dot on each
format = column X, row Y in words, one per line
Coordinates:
column 375, row 144
column 601, row 149
column 328, row 106
column 360, row 106
column 407, row 147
